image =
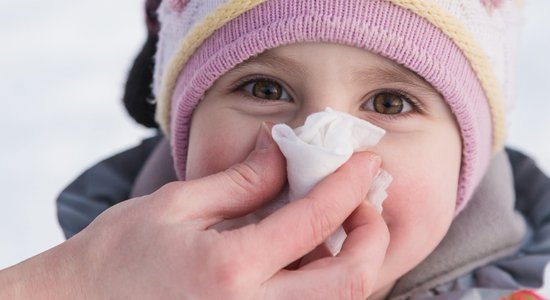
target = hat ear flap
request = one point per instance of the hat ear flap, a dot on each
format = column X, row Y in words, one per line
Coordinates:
column 151, row 17
column 178, row 5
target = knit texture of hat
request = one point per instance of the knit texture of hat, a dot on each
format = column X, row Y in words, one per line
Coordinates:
column 463, row 48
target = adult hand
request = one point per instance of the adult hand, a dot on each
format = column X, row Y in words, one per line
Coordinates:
column 160, row 245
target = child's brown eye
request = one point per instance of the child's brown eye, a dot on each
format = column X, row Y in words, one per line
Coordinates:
column 266, row 89
column 388, row 103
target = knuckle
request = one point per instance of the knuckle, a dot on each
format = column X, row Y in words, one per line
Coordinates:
column 167, row 195
column 164, row 193
column 356, row 190
column 169, row 190
column 322, row 223
column 358, row 284
column 244, row 178
column 230, row 278
column 169, row 199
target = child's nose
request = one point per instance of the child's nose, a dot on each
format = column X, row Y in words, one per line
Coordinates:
column 338, row 103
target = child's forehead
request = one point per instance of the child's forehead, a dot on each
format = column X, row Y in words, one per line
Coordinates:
column 289, row 59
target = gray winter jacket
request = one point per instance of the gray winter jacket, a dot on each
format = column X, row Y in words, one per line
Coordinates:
column 498, row 244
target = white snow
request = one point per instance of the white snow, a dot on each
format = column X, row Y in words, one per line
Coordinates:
column 62, row 68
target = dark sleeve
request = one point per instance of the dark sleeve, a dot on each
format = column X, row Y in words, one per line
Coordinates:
column 532, row 190
column 100, row 187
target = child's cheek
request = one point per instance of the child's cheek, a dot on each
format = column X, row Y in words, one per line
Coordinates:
column 425, row 166
column 418, row 201
column 418, row 212
column 212, row 150
column 423, row 190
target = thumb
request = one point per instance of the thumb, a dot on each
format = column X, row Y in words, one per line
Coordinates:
column 243, row 187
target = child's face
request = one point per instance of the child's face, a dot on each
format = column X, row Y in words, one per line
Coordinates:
column 421, row 148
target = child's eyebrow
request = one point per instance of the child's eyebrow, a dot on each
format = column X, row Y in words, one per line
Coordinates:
column 286, row 65
column 385, row 73
column 378, row 75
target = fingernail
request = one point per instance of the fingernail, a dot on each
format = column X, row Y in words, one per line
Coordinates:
column 264, row 137
column 374, row 164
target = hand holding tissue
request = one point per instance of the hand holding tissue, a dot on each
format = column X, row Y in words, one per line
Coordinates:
column 315, row 150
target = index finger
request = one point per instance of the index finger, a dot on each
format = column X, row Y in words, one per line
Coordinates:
column 353, row 274
column 300, row 226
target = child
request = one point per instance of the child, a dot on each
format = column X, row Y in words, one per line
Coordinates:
column 434, row 74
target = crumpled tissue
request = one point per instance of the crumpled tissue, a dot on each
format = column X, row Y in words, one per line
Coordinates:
column 315, row 150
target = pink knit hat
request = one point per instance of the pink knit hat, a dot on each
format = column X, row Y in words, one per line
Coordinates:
column 463, row 48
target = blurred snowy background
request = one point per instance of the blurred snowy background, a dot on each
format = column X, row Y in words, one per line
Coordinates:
column 62, row 69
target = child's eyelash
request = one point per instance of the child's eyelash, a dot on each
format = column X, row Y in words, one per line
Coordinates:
column 241, row 83
column 416, row 106
column 243, row 86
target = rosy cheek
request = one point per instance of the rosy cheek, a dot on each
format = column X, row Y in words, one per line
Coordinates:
column 425, row 177
column 419, row 209
column 217, row 150
column 420, row 194
column 418, row 215
column 406, row 198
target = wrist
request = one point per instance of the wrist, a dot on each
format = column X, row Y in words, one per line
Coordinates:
column 49, row 275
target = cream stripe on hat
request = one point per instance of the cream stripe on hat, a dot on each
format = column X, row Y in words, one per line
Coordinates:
column 201, row 31
column 437, row 12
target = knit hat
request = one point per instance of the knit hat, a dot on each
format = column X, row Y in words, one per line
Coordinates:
column 463, row 48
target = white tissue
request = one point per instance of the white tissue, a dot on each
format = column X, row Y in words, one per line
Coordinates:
column 318, row 148
column 315, row 150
